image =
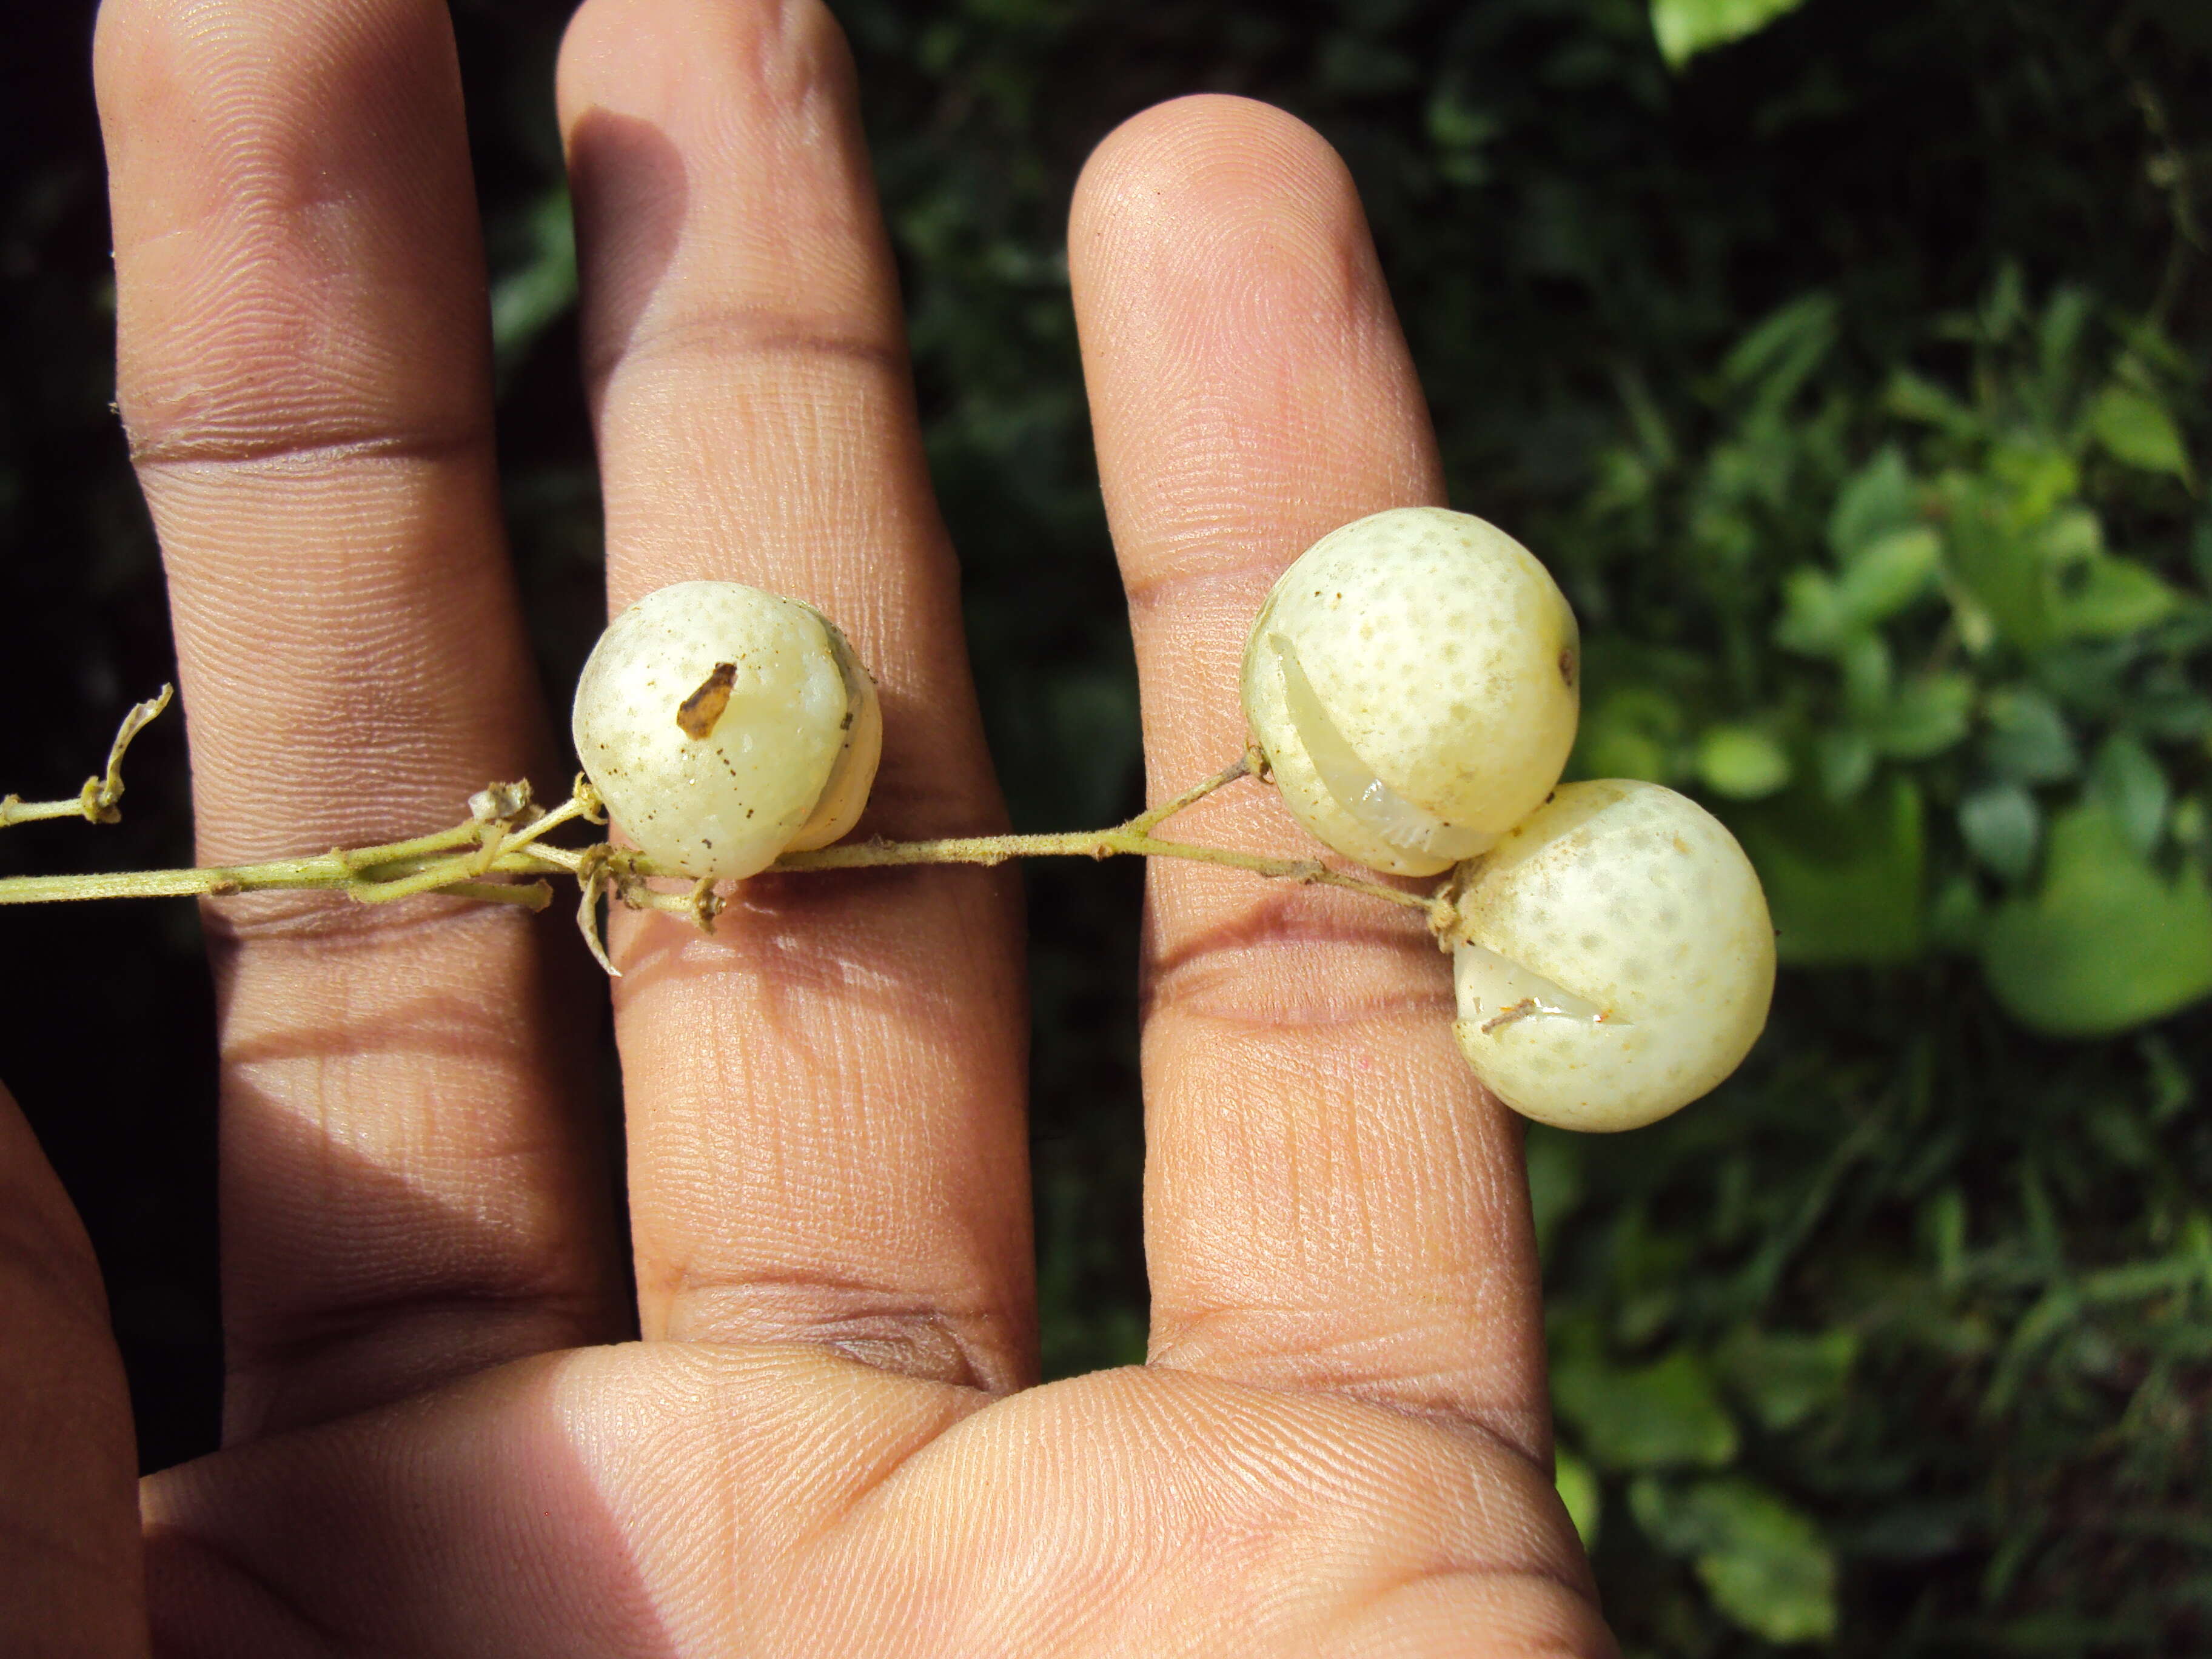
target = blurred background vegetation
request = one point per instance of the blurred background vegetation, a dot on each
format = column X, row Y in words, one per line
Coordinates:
column 1847, row 361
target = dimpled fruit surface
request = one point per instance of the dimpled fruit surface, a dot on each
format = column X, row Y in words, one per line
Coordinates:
column 1614, row 957
column 710, row 717
column 1412, row 679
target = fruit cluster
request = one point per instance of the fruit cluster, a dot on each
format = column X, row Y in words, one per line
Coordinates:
column 1411, row 681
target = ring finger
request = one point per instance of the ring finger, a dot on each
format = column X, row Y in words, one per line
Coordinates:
column 408, row 1188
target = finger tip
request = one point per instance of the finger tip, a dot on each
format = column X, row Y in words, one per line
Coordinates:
column 1238, row 339
column 1224, row 222
column 1212, row 159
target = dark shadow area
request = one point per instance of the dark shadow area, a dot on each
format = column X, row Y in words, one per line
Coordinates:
column 314, row 1537
column 107, row 1028
column 620, row 159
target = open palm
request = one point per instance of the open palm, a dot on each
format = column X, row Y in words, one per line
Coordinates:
column 822, row 1435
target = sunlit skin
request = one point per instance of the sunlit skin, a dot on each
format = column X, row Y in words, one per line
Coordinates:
column 794, row 1412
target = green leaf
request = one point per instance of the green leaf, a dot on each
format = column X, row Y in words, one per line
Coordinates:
column 1774, row 359
column 1667, row 1414
column 1868, row 673
column 1889, row 572
column 1877, row 498
column 1924, row 717
column 2002, row 827
column 1827, row 616
column 2028, row 741
column 1764, row 1564
column 1632, row 733
column 2006, row 306
column 2105, row 598
column 1996, row 561
column 2106, row 943
column 1844, row 880
column 2067, row 535
column 1786, row 1377
column 2131, row 785
column 1812, row 623
column 1846, row 758
column 1579, row 1491
column 2036, row 562
column 1955, row 915
column 2040, row 480
column 1686, row 27
column 1742, row 761
column 2137, row 431
column 2058, row 336
column 1913, row 397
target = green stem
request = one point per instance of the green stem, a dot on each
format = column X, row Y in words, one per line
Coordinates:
column 462, row 860
column 1134, row 838
column 1082, row 844
column 329, row 872
column 14, row 809
column 96, row 802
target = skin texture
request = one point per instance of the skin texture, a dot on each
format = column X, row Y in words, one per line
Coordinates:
column 452, row 1427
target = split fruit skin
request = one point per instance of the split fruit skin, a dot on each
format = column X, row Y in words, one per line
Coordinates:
column 723, row 725
column 1412, row 681
column 1612, row 956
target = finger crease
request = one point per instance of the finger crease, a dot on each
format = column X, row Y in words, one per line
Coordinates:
column 743, row 331
column 1232, row 990
column 306, row 453
column 1488, row 1428
column 316, row 1334
column 907, row 1335
column 1237, row 578
column 334, row 922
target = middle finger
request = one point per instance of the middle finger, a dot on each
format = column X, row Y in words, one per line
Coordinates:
column 826, row 1137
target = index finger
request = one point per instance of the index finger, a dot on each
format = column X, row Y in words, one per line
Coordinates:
column 1331, row 1199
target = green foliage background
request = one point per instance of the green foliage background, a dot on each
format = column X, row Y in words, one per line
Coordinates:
column 1847, row 362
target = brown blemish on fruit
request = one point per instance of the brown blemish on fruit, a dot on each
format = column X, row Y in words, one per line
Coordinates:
column 697, row 713
column 1507, row 1016
column 1567, row 666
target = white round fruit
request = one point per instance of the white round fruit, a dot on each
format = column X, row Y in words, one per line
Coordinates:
column 723, row 725
column 1412, row 680
column 1614, row 957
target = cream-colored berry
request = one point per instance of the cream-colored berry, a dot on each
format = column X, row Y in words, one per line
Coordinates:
column 1614, row 957
column 723, row 725
column 1412, row 680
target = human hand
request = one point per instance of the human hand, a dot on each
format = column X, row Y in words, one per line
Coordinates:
column 436, row 1441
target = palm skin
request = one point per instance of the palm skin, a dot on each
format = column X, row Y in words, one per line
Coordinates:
column 804, row 1420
